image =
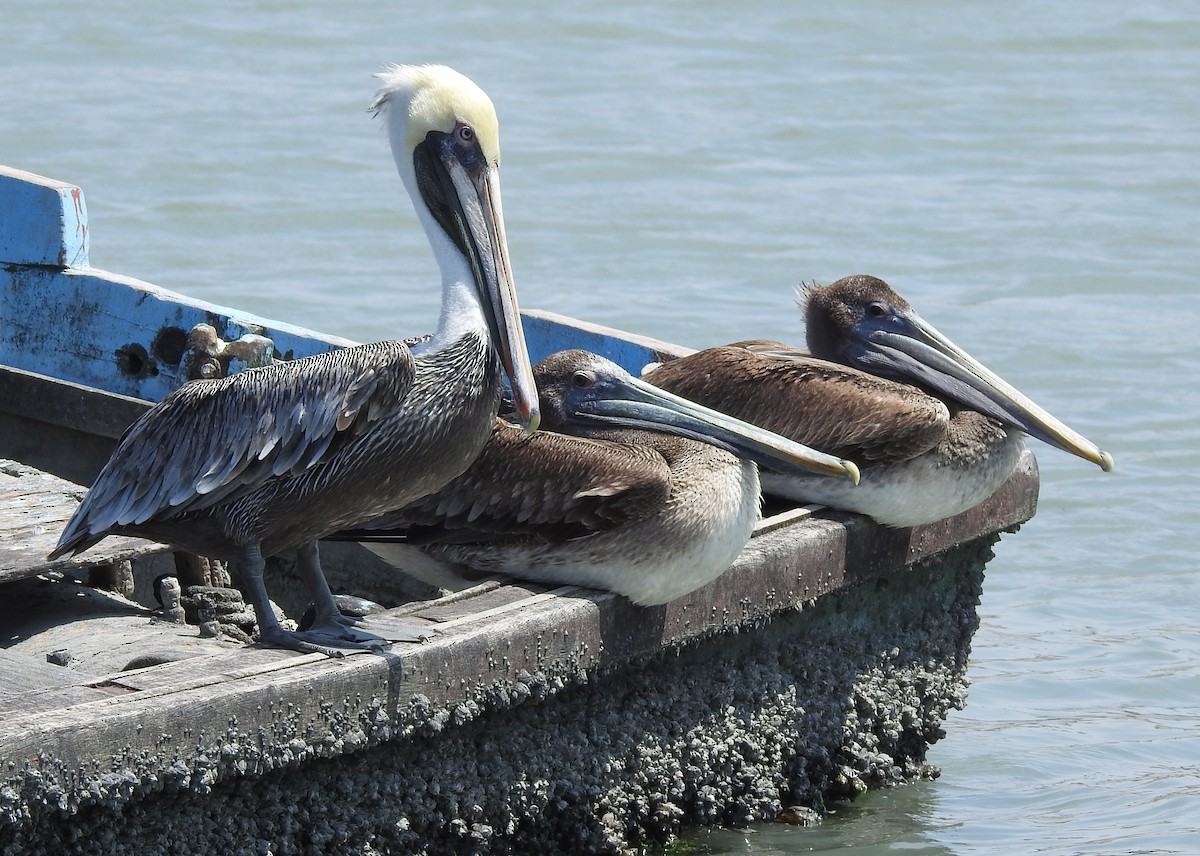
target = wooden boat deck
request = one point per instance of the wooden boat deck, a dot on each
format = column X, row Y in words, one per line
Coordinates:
column 499, row 640
column 34, row 508
column 725, row 701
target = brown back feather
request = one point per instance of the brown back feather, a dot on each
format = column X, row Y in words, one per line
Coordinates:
column 831, row 407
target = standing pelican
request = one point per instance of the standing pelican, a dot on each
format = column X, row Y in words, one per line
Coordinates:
column 272, row 459
column 933, row 430
column 649, row 495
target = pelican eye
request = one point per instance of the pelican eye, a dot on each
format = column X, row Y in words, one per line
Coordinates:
column 465, row 134
column 876, row 309
column 582, row 380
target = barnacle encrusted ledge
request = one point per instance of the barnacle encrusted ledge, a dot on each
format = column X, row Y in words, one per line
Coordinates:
column 818, row 703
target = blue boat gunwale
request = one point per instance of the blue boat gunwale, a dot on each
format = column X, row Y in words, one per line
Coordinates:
column 125, row 336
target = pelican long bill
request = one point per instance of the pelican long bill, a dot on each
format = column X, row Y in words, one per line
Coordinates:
column 916, row 349
column 637, row 404
column 464, row 195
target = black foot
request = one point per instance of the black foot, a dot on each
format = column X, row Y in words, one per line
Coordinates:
column 352, row 611
column 382, row 628
column 332, row 640
column 360, row 613
column 398, row 630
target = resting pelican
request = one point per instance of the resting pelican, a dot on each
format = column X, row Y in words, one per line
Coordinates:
column 274, row 458
column 648, row 496
column 933, row 430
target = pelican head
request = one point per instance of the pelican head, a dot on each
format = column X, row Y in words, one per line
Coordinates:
column 860, row 321
column 582, row 389
column 446, row 143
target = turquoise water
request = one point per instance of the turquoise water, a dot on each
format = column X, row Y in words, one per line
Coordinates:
column 1025, row 175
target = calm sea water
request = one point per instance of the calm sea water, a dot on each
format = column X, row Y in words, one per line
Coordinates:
column 1025, row 173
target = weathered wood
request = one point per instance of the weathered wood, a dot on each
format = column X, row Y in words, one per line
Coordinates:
column 483, row 599
column 34, row 508
column 49, row 697
column 66, row 404
column 20, row 675
column 91, row 327
column 514, row 633
column 117, row 333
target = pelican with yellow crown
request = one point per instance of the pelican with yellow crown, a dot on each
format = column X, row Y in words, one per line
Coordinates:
column 272, row 459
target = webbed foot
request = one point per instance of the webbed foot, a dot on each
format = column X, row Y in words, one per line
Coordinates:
column 332, row 639
column 356, row 612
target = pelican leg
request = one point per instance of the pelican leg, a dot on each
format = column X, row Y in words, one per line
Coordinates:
column 330, row 623
column 271, row 633
column 308, row 560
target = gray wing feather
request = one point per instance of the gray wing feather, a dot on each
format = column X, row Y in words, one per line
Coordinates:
column 210, row 440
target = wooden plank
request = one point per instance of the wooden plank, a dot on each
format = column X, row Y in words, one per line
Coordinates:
column 450, row 609
column 34, row 508
column 286, row 707
column 208, row 670
column 92, row 327
column 27, row 684
column 117, row 333
column 69, row 405
column 48, row 699
column 20, row 673
column 785, row 518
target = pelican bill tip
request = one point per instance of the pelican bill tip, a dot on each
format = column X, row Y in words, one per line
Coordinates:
column 851, row 469
column 530, row 420
column 1106, row 462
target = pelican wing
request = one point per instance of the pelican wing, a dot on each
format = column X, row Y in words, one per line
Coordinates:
column 211, row 441
column 837, row 409
column 546, row 485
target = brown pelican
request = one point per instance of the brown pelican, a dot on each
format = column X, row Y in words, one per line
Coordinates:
column 648, row 496
column 933, row 430
column 272, row 459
